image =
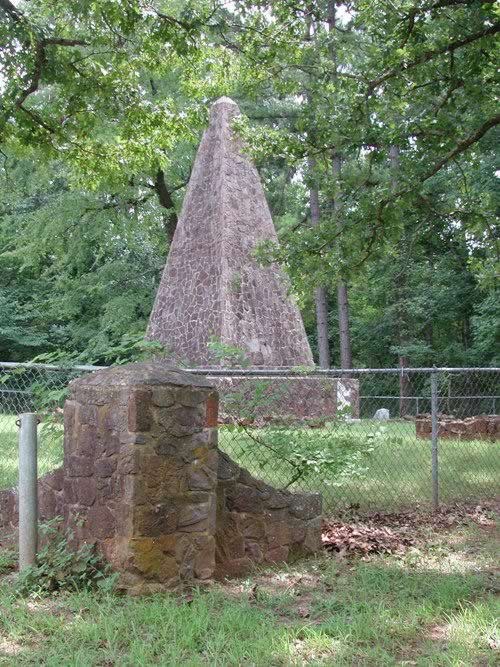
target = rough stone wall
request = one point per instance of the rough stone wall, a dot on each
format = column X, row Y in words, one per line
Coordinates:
column 256, row 523
column 212, row 287
column 142, row 480
column 50, row 500
column 283, row 397
column 482, row 427
column 140, row 473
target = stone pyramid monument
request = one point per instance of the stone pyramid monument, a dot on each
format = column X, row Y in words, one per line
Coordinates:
column 212, row 289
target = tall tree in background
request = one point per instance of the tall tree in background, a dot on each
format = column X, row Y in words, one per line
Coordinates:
column 320, row 292
column 104, row 104
column 416, row 76
column 342, row 291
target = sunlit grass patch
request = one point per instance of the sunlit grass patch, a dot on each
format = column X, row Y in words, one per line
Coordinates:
column 432, row 605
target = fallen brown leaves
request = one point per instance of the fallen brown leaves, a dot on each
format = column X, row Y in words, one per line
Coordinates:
column 394, row 533
column 364, row 538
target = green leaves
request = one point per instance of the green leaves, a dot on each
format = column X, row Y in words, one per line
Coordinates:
column 59, row 568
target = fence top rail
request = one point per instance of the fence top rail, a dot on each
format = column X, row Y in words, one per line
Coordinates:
column 257, row 371
column 49, row 367
column 331, row 371
column 426, row 398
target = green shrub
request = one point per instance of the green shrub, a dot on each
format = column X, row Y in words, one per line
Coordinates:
column 8, row 560
column 333, row 456
column 60, row 568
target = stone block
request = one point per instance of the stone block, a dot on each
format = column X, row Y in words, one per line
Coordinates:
column 189, row 397
column 79, row 466
column 254, row 551
column 84, row 490
column 306, row 506
column 101, row 522
column 252, row 526
column 163, row 397
column 312, row 540
column 105, row 467
column 212, row 411
column 139, row 410
column 277, row 554
column 152, row 561
column 193, row 517
column 204, row 560
column 245, row 499
column 227, row 468
column 155, row 520
column 200, row 477
column 278, row 534
column 163, row 505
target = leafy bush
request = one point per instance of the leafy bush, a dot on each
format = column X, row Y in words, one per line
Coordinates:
column 8, row 560
column 227, row 355
column 60, row 568
column 334, row 455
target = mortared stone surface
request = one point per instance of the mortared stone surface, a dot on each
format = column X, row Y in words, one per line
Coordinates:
column 212, row 288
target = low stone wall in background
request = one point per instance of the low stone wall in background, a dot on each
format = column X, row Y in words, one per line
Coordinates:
column 263, row 399
column 482, row 427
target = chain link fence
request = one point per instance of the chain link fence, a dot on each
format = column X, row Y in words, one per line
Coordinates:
column 369, row 439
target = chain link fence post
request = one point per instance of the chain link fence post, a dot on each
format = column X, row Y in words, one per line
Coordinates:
column 28, row 500
column 434, row 439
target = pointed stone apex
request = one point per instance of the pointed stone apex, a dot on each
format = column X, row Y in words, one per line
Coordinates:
column 224, row 100
column 222, row 110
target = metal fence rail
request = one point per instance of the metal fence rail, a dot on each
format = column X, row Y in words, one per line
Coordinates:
column 316, row 430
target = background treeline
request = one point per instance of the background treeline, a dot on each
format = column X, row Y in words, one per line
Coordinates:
column 373, row 126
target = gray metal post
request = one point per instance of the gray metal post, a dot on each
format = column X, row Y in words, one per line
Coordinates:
column 28, row 500
column 434, row 439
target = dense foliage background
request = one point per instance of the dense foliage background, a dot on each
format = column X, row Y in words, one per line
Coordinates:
column 373, row 125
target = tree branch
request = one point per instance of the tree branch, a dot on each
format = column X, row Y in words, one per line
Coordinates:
column 11, row 10
column 40, row 60
column 429, row 55
column 462, row 146
column 165, row 199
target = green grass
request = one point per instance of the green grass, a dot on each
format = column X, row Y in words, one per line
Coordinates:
column 431, row 607
column 50, row 452
column 398, row 471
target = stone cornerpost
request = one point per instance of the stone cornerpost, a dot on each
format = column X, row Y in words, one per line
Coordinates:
column 140, row 473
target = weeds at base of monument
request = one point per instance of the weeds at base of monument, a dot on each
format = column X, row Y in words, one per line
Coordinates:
column 59, row 568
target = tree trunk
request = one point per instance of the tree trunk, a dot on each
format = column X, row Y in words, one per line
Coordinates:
column 344, row 331
column 320, row 295
column 165, row 199
column 403, row 361
column 163, row 193
column 342, row 290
